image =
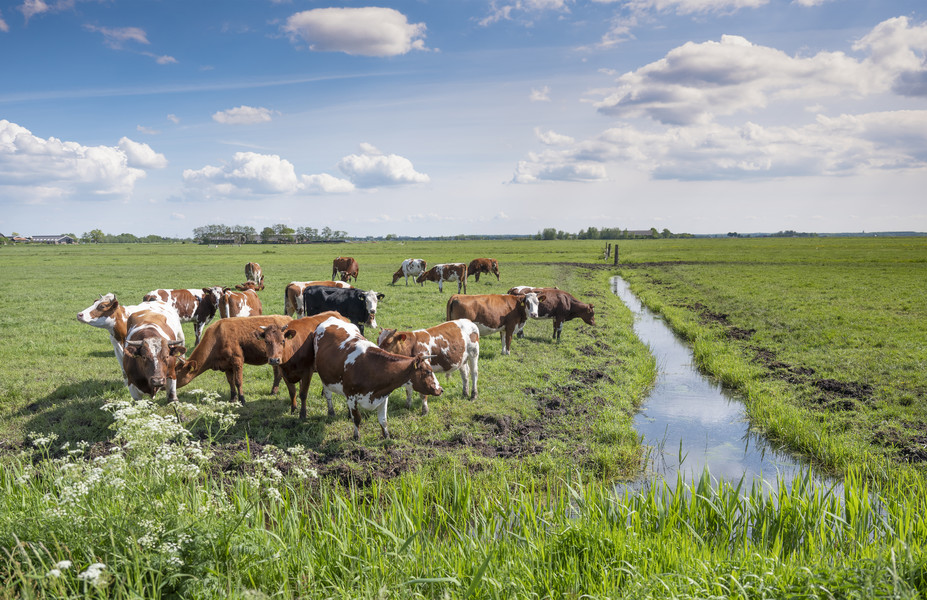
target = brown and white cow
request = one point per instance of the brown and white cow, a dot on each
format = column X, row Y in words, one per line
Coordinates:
column 293, row 295
column 446, row 272
column 153, row 347
column 494, row 312
column 291, row 349
column 239, row 304
column 197, row 305
column 249, row 285
column 557, row 305
column 410, row 267
column 255, row 275
column 483, row 265
column 365, row 374
column 453, row 346
column 345, row 267
column 107, row 313
column 228, row 346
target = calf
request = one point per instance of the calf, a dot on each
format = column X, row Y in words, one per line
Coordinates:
column 494, row 312
column 454, row 346
column 291, row 347
column 228, row 346
column 558, row 305
column 254, row 274
column 107, row 313
column 239, row 304
column 364, row 374
column 410, row 267
column 197, row 305
column 154, row 343
column 345, row 267
column 483, row 265
column 446, row 272
column 293, row 295
column 358, row 306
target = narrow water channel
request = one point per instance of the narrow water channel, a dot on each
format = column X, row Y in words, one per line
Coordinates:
column 691, row 422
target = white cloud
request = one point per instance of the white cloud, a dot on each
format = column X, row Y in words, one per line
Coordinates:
column 367, row 31
column 3, row 26
column 551, row 138
column 540, row 95
column 161, row 59
column 527, row 8
column 688, row 7
column 372, row 168
column 30, row 8
column 116, row 37
column 175, row 216
column 141, row 155
column 173, row 118
column 326, row 184
column 244, row 115
column 146, row 130
column 250, row 173
column 34, row 166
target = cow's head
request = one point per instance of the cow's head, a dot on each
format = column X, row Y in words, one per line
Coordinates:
column 391, row 340
column 531, row 301
column 100, row 311
column 396, row 276
column 155, row 358
column 587, row 313
column 423, row 277
column 212, row 296
column 423, row 377
column 370, row 300
column 274, row 338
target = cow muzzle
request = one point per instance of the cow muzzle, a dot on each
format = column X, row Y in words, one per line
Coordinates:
column 273, row 361
column 157, row 382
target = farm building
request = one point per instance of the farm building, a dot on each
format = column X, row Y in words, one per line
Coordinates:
column 53, row 239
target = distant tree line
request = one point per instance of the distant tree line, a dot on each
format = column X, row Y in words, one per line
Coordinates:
column 607, row 233
column 276, row 234
column 96, row 236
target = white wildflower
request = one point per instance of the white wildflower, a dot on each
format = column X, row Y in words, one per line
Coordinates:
column 54, row 573
column 63, row 564
column 93, row 574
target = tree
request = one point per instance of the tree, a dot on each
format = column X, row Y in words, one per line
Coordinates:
column 549, row 233
column 94, row 236
column 267, row 234
column 326, row 233
column 666, row 233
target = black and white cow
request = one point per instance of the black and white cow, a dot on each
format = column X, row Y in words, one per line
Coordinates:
column 358, row 306
column 410, row 267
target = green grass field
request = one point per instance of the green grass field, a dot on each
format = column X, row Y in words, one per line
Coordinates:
column 511, row 495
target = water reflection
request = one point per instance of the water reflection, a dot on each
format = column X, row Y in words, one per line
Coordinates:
column 691, row 422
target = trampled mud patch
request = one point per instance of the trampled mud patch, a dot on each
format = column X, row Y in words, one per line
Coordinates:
column 909, row 447
column 833, row 395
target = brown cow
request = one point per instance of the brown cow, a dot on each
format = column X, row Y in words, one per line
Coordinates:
column 354, row 367
column 557, row 305
column 249, row 285
column 255, row 275
column 455, row 345
column 239, row 304
column 154, row 345
column 483, row 265
column 446, row 272
column 494, row 312
column 346, row 267
column 293, row 295
column 197, row 305
column 291, row 347
column 228, row 346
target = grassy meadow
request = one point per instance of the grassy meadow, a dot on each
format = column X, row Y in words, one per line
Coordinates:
column 509, row 495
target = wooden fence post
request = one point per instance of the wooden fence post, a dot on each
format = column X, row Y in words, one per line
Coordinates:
column 616, row 254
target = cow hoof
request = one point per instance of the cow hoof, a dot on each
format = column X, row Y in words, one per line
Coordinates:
column 242, row 400
column 273, row 391
column 424, row 409
column 302, row 415
column 331, row 413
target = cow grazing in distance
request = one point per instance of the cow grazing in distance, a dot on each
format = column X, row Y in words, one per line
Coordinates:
column 291, row 348
column 410, row 267
column 345, row 267
column 365, row 374
column 358, row 306
column 293, row 295
column 239, row 304
column 249, row 285
column 107, row 313
column 557, row 305
column 446, row 272
column 453, row 346
column 255, row 275
column 483, row 265
column 494, row 312
column 197, row 305
column 153, row 347
column 228, row 346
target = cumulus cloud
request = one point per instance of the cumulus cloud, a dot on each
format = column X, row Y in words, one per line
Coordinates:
column 34, row 166
column 244, row 115
column 366, row 31
column 324, row 183
column 526, row 9
column 3, row 26
column 551, row 138
column 141, row 155
column 372, row 168
column 689, row 7
column 540, row 95
column 116, row 37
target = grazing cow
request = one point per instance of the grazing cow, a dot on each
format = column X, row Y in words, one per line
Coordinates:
column 239, row 304
column 291, row 348
column 494, row 312
column 153, row 349
column 346, row 267
column 293, row 295
column 446, row 272
column 197, row 305
column 249, row 285
column 358, row 306
column 255, row 275
column 410, row 267
column 557, row 305
column 108, row 314
column 364, row 374
column 228, row 346
column 483, row 265
column 454, row 346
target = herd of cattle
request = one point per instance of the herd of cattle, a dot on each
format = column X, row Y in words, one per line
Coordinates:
column 326, row 337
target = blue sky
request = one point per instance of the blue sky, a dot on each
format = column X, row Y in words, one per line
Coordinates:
column 436, row 117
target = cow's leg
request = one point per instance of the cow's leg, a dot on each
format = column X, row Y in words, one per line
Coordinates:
column 303, row 392
column 361, row 327
column 239, row 374
column 197, row 329
column 424, row 405
column 465, row 378
column 171, row 390
column 441, row 285
column 474, row 359
column 558, row 328
column 328, row 398
column 408, row 387
column 233, row 393
column 506, row 339
column 334, row 272
column 136, row 393
column 275, row 388
column 381, row 417
column 520, row 330
column 476, row 276
column 291, row 390
column 355, row 412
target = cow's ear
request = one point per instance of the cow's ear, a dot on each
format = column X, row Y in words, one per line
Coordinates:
column 207, row 291
column 542, row 298
column 401, row 337
column 380, row 296
column 131, row 350
column 260, row 333
column 226, row 290
column 290, row 334
column 178, row 351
